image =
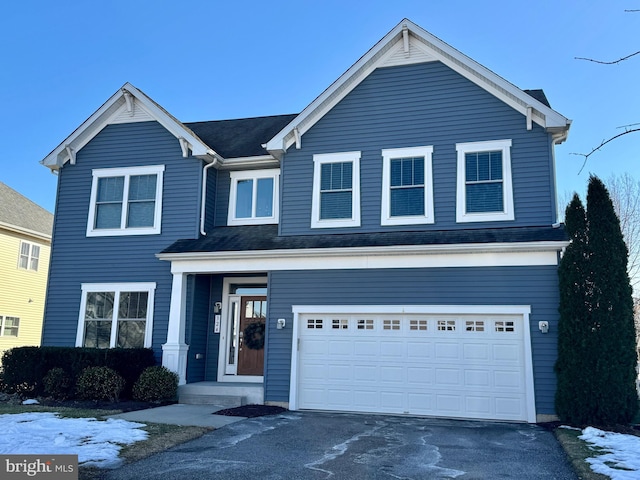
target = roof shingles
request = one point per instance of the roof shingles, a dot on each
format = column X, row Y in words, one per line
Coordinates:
column 18, row 211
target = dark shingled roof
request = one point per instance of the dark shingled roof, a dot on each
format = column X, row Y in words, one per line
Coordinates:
column 265, row 237
column 538, row 95
column 242, row 137
column 18, row 211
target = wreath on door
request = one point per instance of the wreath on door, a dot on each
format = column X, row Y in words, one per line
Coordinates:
column 253, row 336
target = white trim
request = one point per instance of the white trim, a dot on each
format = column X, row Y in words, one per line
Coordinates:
column 261, row 161
column 318, row 161
column 126, row 172
column 26, row 231
column 389, row 154
column 224, row 327
column 523, row 310
column 508, row 212
column 110, row 111
column 414, row 256
column 117, row 288
column 434, row 48
column 254, row 175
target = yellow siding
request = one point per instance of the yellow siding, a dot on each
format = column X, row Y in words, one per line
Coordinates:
column 22, row 292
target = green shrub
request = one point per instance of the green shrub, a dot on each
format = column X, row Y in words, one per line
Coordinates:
column 156, row 384
column 58, row 384
column 24, row 368
column 100, row 383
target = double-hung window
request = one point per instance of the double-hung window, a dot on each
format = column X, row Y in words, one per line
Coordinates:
column 336, row 190
column 29, row 256
column 407, row 186
column 484, row 190
column 9, row 326
column 126, row 201
column 116, row 315
column 253, row 198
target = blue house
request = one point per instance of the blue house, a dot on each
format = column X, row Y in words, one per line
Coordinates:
column 392, row 248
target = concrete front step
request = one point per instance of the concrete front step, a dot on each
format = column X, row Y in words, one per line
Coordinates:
column 221, row 400
column 221, row 393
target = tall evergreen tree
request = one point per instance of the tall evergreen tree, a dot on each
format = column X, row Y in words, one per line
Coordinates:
column 596, row 337
column 611, row 305
column 572, row 393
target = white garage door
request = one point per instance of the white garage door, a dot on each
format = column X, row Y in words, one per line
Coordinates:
column 467, row 366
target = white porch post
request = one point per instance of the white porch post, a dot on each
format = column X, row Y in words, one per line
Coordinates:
column 174, row 352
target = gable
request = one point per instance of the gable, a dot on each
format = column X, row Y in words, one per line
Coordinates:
column 408, row 44
column 127, row 105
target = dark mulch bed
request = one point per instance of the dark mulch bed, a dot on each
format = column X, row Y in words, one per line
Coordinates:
column 251, row 411
column 124, row 405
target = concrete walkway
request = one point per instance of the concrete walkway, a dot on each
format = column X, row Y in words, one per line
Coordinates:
column 181, row 414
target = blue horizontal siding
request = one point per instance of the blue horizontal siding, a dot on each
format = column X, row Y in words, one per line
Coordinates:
column 536, row 286
column 77, row 259
column 416, row 105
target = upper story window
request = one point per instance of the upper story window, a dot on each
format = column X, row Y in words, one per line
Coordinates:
column 126, row 201
column 484, row 191
column 9, row 326
column 116, row 315
column 407, row 186
column 253, row 198
column 29, row 256
column 336, row 190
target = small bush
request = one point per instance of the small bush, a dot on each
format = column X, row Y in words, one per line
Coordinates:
column 156, row 384
column 57, row 384
column 100, row 383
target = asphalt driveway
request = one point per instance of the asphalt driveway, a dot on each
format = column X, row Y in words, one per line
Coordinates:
column 343, row 446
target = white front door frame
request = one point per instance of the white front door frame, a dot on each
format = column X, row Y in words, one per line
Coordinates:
column 228, row 374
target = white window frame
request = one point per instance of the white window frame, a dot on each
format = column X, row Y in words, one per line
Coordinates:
column 254, row 175
column 318, row 161
column 389, row 154
column 461, row 197
column 30, row 256
column 149, row 287
column 127, row 173
column 3, row 320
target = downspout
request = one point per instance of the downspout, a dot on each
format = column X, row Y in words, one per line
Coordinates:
column 556, row 140
column 203, row 201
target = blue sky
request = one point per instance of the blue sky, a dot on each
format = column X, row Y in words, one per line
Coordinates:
column 209, row 60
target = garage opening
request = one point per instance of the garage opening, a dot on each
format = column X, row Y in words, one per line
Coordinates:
column 448, row 361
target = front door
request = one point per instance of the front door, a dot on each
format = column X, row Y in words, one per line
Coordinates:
column 251, row 335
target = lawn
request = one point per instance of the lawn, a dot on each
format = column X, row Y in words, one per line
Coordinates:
column 160, row 436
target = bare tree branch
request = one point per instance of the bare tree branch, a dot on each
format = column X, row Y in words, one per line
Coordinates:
column 608, row 63
column 602, row 144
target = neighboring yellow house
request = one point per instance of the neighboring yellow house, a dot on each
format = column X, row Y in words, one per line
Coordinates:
column 25, row 246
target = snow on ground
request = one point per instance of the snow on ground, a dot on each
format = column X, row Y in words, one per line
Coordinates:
column 97, row 443
column 621, row 453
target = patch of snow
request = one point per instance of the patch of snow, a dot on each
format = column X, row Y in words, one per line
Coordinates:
column 97, row 443
column 31, row 401
column 567, row 427
column 620, row 459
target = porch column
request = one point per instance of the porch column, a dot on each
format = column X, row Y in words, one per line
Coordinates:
column 174, row 352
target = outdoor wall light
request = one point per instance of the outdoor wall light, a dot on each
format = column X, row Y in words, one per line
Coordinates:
column 544, row 327
column 281, row 323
